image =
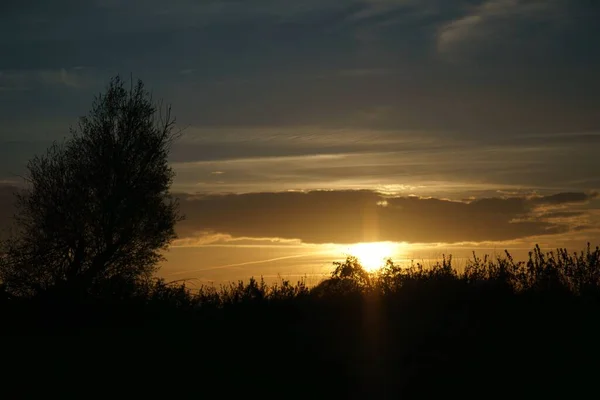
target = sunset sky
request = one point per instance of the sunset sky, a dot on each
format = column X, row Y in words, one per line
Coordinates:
column 313, row 125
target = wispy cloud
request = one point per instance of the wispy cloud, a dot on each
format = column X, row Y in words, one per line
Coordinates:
column 212, row 239
column 375, row 8
column 419, row 162
column 490, row 19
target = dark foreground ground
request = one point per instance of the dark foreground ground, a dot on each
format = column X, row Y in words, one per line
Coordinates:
column 424, row 335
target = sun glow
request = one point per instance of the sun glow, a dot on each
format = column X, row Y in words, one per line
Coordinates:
column 372, row 256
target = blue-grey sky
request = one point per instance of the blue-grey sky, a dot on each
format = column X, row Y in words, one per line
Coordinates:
column 455, row 100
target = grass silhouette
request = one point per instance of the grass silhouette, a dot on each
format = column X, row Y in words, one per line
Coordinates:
column 497, row 327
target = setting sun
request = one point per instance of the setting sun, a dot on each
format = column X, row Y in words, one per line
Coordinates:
column 372, row 256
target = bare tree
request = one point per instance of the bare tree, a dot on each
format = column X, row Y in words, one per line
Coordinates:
column 97, row 209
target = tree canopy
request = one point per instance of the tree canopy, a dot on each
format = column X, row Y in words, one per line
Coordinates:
column 96, row 212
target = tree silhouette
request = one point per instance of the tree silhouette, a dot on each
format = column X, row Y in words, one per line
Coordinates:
column 351, row 269
column 97, row 211
column 348, row 277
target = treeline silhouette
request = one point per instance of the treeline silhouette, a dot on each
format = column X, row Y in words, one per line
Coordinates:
column 82, row 314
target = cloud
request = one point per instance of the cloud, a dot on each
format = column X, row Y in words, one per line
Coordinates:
column 223, row 240
column 153, row 15
column 344, row 217
column 438, row 164
column 424, row 163
column 490, row 21
column 564, row 198
column 356, row 216
column 564, row 214
column 328, row 112
column 376, row 8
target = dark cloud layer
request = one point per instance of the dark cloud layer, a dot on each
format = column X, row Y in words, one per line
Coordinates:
column 356, row 216
column 487, row 66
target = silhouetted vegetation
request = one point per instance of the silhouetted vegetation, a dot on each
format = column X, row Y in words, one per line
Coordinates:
column 528, row 327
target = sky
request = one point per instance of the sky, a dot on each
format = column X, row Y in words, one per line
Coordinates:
column 312, row 125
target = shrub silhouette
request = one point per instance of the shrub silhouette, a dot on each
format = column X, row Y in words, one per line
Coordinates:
column 96, row 211
column 348, row 277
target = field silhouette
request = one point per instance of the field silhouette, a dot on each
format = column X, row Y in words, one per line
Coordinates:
column 83, row 315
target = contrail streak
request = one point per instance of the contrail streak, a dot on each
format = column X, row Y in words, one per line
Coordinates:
column 246, row 263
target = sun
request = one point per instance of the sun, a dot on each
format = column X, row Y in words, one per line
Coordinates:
column 372, row 256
